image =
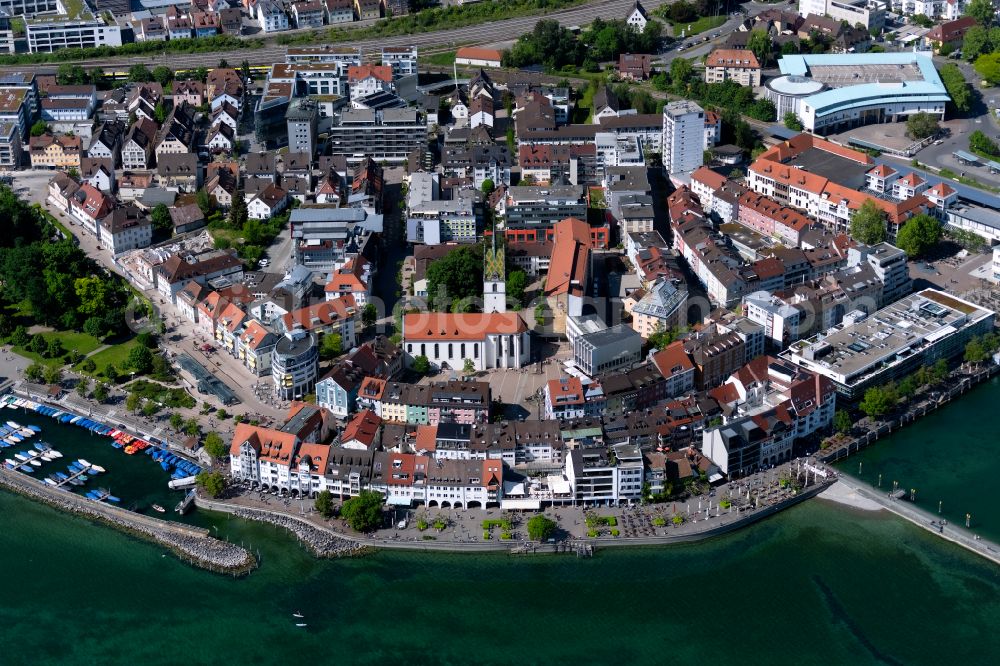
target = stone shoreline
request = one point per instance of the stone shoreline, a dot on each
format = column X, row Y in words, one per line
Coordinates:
column 189, row 544
column 319, row 542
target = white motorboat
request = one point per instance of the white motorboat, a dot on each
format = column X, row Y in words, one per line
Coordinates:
column 15, row 426
column 84, row 463
column 36, row 462
column 21, row 457
column 55, row 454
column 97, row 468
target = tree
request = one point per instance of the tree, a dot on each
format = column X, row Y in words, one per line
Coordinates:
column 981, row 10
column 38, row 345
column 975, row 351
column 238, row 211
column 140, row 359
column 868, row 224
column 162, row 75
column 160, row 112
column 988, row 67
column 541, row 528
column 176, row 421
column 939, row 371
column 19, row 336
column 101, row 392
column 488, row 185
column 94, row 293
column 922, row 125
column 456, row 276
column 213, row 483
column 162, row 223
column 221, row 414
column 792, row 121
column 133, row 402
column 364, row 512
column 878, row 400
column 53, row 374
column 760, row 45
column 83, row 387
column 215, row 446
column 332, row 346
column 54, row 348
column 204, row 201
column 35, row 373
column 369, row 315
column 6, row 325
column 421, row 365
column 680, row 73
column 39, row 128
column 94, row 327
column 957, row 87
column 192, row 428
column 918, row 235
column 661, row 337
column 468, row 367
column 324, row 503
column 517, row 281
column 139, row 74
column 842, row 422
column 976, row 42
column 923, row 20
column 71, row 75
column 980, row 143
column 149, row 408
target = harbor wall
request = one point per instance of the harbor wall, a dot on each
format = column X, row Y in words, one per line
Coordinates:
column 191, row 544
column 915, row 412
column 957, row 535
column 314, row 536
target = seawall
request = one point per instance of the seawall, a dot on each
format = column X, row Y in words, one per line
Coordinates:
column 325, row 542
column 191, row 544
column 957, row 535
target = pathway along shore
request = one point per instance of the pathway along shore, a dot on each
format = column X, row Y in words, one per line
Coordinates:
column 192, row 545
column 933, row 524
column 325, row 542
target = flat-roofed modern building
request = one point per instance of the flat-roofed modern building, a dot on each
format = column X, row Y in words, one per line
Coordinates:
column 861, row 88
column 607, row 350
column 896, row 340
column 389, row 135
column 52, row 33
column 294, row 364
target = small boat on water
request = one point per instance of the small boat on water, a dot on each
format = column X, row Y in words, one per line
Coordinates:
column 84, row 463
column 34, row 428
column 158, row 508
column 301, row 624
column 97, row 468
column 36, row 462
column 50, row 482
column 55, row 454
column 21, row 457
column 112, row 498
column 27, row 468
column 15, row 426
column 297, row 615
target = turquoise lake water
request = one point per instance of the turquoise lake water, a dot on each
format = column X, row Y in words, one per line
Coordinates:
column 818, row 584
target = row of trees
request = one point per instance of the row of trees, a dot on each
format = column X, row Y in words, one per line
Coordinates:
column 728, row 95
column 53, row 279
column 881, row 400
column 551, row 45
column 957, row 87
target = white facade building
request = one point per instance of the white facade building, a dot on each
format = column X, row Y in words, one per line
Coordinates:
column 683, row 137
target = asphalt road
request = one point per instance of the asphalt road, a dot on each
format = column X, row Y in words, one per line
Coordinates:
column 487, row 33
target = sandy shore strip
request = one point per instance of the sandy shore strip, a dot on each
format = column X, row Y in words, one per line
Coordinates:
column 841, row 493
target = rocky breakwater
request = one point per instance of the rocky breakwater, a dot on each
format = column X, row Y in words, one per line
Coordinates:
column 320, row 542
column 191, row 544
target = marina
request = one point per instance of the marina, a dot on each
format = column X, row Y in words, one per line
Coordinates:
column 142, row 473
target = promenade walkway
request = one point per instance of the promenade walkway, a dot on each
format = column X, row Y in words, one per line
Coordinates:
column 729, row 507
column 958, row 535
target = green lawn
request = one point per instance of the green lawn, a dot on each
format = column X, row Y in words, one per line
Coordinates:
column 446, row 59
column 71, row 340
column 701, row 25
column 116, row 355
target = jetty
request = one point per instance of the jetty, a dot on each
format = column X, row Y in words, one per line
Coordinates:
column 191, row 544
column 894, row 503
